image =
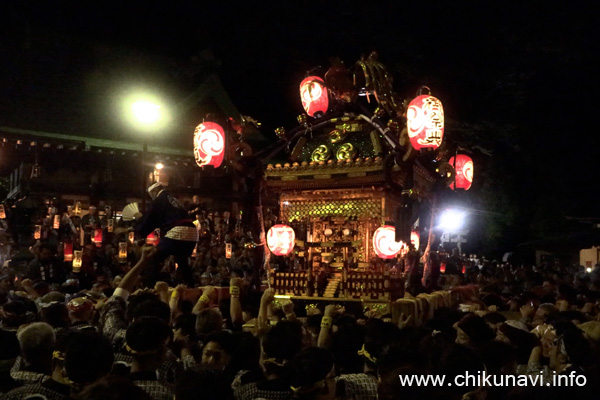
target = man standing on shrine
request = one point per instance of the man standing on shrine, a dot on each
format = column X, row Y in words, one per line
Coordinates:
column 178, row 234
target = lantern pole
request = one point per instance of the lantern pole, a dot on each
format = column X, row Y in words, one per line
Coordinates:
column 427, row 265
column 147, row 116
column 454, row 166
column 144, row 175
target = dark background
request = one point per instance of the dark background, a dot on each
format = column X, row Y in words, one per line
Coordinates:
column 519, row 82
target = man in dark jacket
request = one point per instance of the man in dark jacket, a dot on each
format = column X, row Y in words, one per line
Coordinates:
column 46, row 267
column 178, row 234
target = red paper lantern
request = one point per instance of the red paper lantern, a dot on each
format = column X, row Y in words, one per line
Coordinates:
column 425, row 122
column 464, row 172
column 384, row 242
column 443, row 268
column 97, row 238
column 68, row 251
column 153, row 238
column 209, row 144
column 281, row 239
column 314, row 95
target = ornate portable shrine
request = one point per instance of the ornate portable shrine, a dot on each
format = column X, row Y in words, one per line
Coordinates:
column 348, row 171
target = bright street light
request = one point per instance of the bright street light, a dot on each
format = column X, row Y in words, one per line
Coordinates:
column 146, row 112
column 452, row 220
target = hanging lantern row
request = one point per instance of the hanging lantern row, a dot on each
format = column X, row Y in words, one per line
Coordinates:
column 443, row 268
column 209, row 144
column 424, row 116
column 281, row 239
column 463, row 165
column 313, row 94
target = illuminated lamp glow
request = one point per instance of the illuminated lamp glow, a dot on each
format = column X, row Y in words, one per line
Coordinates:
column 425, row 122
column 281, row 239
column 443, row 268
column 313, row 94
column 452, row 220
column 209, row 144
column 415, row 239
column 464, row 172
column 146, row 112
column 384, row 243
column 153, row 238
column 122, row 250
column 37, row 233
column 97, row 238
column 77, row 260
column 68, row 251
column 110, row 225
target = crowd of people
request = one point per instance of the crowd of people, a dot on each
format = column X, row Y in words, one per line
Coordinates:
column 109, row 332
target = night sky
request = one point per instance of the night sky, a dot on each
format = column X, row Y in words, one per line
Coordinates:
column 519, row 82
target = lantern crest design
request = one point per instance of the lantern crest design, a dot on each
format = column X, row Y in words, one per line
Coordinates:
column 313, row 94
column 321, row 153
column 463, row 165
column 384, row 242
column 209, row 144
column 281, row 239
column 425, row 122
